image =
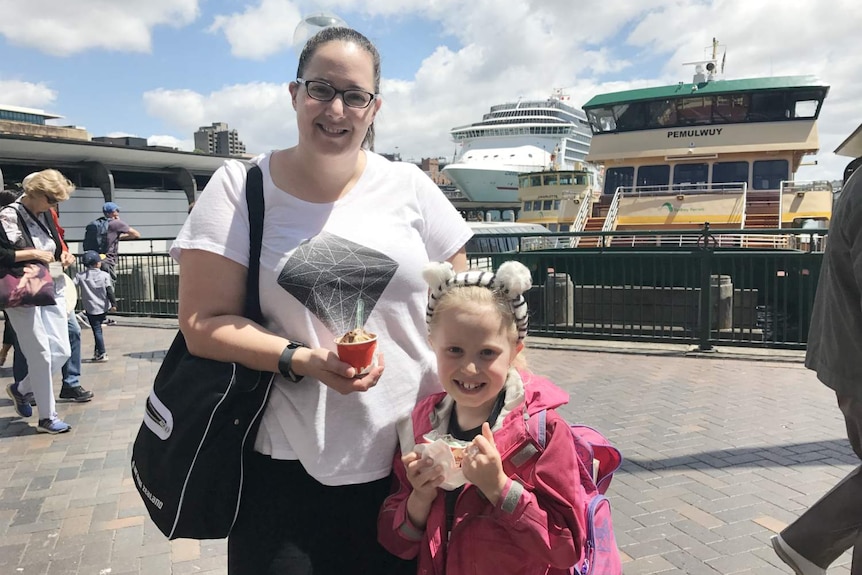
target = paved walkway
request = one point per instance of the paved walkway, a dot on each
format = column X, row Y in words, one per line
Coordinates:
column 721, row 453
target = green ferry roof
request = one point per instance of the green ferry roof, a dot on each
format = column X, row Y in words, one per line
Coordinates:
column 713, row 88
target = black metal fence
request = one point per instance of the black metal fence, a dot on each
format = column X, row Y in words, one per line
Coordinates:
column 688, row 289
column 695, row 292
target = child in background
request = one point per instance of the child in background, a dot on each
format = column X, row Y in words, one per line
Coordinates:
column 98, row 297
column 517, row 512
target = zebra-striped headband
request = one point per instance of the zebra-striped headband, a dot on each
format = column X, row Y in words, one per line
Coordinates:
column 512, row 279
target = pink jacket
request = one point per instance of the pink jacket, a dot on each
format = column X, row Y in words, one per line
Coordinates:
column 533, row 530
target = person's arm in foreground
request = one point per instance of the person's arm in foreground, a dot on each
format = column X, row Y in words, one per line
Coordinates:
column 212, row 322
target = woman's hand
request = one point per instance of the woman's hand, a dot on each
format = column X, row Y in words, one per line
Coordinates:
column 483, row 467
column 67, row 259
column 323, row 364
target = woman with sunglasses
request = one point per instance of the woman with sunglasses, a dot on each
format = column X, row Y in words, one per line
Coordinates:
column 42, row 331
column 342, row 224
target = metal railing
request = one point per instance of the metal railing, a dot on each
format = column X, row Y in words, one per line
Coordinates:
column 699, row 293
column 704, row 290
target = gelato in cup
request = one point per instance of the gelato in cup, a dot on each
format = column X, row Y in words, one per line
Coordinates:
column 357, row 347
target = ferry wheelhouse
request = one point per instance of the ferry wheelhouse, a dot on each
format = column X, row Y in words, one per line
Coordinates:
column 559, row 200
column 722, row 152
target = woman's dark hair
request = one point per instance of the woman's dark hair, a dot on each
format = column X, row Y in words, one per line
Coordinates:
column 342, row 34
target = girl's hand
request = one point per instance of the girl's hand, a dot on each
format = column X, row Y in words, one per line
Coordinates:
column 483, row 467
column 324, row 365
column 423, row 475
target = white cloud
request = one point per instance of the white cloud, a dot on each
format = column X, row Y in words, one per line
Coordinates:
column 260, row 112
column 499, row 52
column 172, row 142
column 65, row 28
column 26, row 94
column 259, row 31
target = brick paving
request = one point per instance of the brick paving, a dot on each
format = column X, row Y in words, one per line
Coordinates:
column 720, row 454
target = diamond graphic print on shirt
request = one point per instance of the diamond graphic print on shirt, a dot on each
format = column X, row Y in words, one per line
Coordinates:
column 328, row 274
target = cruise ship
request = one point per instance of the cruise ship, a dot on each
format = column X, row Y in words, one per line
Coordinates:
column 514, row 138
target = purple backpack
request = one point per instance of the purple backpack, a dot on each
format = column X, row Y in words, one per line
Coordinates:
column 597, row 462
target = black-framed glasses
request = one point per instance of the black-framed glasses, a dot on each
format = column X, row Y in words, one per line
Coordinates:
column 323, row 92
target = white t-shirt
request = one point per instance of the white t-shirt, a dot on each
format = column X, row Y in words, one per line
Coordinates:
column 316, row 259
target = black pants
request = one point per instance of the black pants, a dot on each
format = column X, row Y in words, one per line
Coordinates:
column 834, row 523
column 289, row 524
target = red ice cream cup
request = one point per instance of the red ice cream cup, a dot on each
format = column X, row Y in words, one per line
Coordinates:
column 359, row 355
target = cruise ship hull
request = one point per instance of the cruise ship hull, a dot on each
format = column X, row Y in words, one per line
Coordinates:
column 484, row 184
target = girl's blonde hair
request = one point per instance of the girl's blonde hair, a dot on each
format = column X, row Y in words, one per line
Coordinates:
column 502, row 290
column 48, row 183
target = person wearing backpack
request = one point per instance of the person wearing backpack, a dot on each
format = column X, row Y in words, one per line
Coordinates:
column 103, row 235
column 512, row 507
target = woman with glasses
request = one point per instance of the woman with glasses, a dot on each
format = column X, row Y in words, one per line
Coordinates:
column 42, row 332
column 342, row 225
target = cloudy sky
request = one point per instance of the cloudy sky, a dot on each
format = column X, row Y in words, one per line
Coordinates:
column 161, row 68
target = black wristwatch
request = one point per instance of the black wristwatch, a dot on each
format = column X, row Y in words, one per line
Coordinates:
column 286, row 360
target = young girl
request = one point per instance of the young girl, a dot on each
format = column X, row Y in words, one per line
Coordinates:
column 517, row 512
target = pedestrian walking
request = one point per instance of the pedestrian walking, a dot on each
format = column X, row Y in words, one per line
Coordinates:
column 834, row 523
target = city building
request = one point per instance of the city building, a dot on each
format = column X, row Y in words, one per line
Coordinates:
column 218, row 140
column 18, row 121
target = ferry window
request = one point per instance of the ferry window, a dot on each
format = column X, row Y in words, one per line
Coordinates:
column 768, row 107
column 566, row 179
column 581, row 180
column 805, row 108
column 729, row 173
column 602, row 120
column 697, row 110
column 768, row 174
column 537, row 205
column 654, row 176
column 552, row 227
column 556, row 204
column 523, row 182
column 806, row 104
column 631, row 116
column 550, row 180
column 535, row 180
column 618, row 177
column 663, row 112
column 565, row 227
column 684, row 175
column 731, row 108
column 528, row 206
column 546, row 205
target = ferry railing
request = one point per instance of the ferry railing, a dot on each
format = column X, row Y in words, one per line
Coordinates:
column 611, row 217
column 582, row 216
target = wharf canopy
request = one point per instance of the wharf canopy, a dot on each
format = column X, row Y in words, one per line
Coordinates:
column 153, row 186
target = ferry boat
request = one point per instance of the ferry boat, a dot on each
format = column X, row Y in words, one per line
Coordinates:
column 559, row 200
column 722, row 152
column 514, row 138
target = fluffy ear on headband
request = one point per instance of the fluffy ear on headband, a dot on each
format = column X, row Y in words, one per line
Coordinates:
column 512, row 278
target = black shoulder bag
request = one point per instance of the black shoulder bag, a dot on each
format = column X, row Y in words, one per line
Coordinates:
column 201, row 420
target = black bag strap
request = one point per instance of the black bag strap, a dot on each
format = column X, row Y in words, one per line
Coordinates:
column 256, row 207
